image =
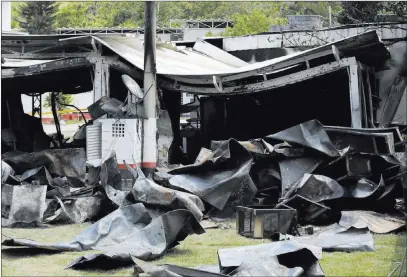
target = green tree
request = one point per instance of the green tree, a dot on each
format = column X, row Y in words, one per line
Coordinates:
column 15, row 12
column 357, row 12
column 61, row 99
column 209, row 34
column 38, row 17
column 398, row 8
column 253, row 23
column 100, row 14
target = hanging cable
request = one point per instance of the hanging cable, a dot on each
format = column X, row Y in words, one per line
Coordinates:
column 56, row 119
column 72, row 106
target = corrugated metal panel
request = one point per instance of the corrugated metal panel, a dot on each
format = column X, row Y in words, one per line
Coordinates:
column 174, row 62
column 170, row 60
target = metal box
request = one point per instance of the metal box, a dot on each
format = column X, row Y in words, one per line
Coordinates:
column 122, row 136
column 264, row 221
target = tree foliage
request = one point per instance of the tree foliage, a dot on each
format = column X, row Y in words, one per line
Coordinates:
column 15, row 13
column 131, row 14
column 368, row 11
column 61, row 98
column 249, row 17
column 253, row 23
column 38, row 17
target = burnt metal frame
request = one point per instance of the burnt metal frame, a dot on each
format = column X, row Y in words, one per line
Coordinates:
column 351, row 64
column 36, row 105
column 53, row 47
column 216, row 85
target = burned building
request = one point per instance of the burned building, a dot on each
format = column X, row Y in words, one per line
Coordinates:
column 294, row 140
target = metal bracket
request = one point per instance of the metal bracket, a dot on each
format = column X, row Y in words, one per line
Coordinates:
column 215, row 82
column 336, row 53
column 94, row 46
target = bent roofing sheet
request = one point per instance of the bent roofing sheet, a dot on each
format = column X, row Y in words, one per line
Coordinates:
column 10, row 63
column 171, row 61
column 174, row 62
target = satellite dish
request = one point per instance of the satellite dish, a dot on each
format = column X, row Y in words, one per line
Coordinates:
column 132, row 86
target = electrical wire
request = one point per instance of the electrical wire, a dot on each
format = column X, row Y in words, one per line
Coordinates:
column 394, row 119
column 54, row 113
column 72, row 106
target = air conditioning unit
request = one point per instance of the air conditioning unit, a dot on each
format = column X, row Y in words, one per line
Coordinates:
column 123, row 136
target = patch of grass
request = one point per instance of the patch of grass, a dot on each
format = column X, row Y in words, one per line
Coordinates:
column 194, row 250
column 80, row 122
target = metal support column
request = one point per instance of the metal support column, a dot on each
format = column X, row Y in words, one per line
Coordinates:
column 36, row 105
column 149, row 157
column 355, row 97
column 101, row 80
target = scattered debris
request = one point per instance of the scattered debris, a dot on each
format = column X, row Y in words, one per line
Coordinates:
column 263, row 221
column 377, row 223
column 337, row 238
column 286, row 178
column 310, row 134
column 216, row 179
column 282, row 258
column 22, row 204
column 119, row 236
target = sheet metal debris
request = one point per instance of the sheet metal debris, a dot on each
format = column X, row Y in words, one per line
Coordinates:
column 281, row 258
column 279, row 184
column 292, row 170
column 377, row 223
column 68, row 163
column 6, row 171
column 216, row 179
column 22, row 204
column 317, row 188
column 148, row 192
column 337, row 238
column 74, row 209
column 308, row 211
column 310, row 134
column 170, row 270
column 128, row 231
column 106, row 105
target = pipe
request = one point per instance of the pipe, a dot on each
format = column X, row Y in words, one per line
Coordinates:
column 149, row 144
column 330, row 16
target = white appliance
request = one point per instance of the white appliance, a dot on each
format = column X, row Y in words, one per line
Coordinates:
column 94, row 141
column 123, row 136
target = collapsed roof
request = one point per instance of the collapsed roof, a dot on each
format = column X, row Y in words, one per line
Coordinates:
column 203, row 69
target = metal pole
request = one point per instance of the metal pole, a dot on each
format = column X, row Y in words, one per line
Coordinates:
column 149, row 158
column 330, row 15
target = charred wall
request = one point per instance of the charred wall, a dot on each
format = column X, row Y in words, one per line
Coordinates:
column 325, row 98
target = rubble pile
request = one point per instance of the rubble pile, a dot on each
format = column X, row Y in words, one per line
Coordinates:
column 338, row 184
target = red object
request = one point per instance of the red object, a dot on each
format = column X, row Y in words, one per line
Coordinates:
column 144, row 165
